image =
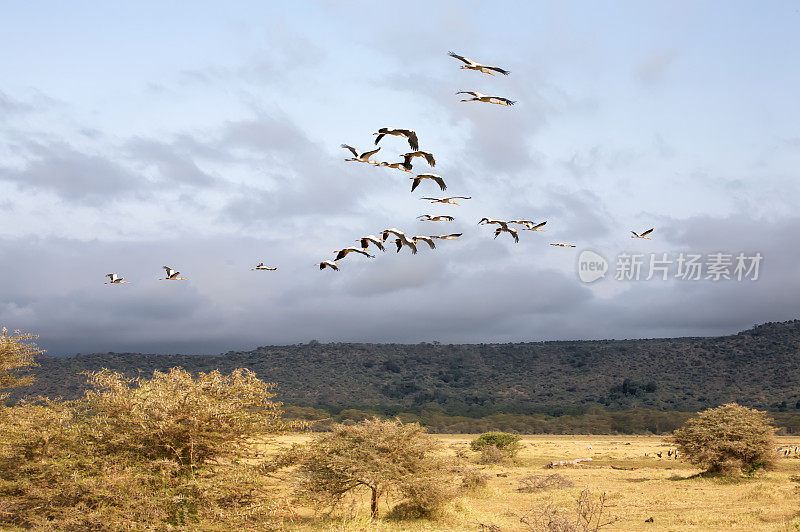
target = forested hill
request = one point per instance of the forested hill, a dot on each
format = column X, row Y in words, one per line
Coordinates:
column 759, row 367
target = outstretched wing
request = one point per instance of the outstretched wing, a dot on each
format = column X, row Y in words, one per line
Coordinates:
column 647, row 232
column 416, row 181
column 497, row 69
column 413, row 141
column 378, row 138
column 461, row 58
column 440, row 181
column 352, row 149
column 368, row 154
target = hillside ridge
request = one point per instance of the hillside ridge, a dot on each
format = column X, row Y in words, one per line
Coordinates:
column 757, row 367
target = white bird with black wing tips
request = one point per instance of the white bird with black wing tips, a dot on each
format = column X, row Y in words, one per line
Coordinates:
column 486, row 98
column 529, row 225
column 401, row 240
column 438, row 218
column 643, row 235
column 172, row 275
column 363, row 158
column 428, row 156
column 404, row 241
column 342, row 253
column 472, row 65
column 452, row 236
column 365, row 241
column 404, row 166
column 488, row 221
column 509, row 230
column 327, row 264
column 422, row 238
column 434, row 177
column 392, row 230
column 261, row 267
column 448, row 200
column 409, row 134
column 114, row 279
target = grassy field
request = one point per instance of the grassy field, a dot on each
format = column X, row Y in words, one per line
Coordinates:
column 637, row 488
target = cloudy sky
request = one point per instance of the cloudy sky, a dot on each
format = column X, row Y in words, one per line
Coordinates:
column 205, row 136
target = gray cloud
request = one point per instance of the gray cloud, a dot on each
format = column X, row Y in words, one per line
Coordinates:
column 9, row 106
column 71, row 174
column 172, row 164
column 653, row 68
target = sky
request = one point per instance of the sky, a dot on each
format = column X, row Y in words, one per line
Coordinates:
column 206, row 137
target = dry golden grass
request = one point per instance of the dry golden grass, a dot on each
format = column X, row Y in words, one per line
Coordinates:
column 669, row 491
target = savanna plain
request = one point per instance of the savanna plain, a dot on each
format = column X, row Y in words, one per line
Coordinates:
column 637, row 487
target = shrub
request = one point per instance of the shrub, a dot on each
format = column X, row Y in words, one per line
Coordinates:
column 534, row 483
column 472, row 479
column 507, row 444
column 490, row 454
column 586, row 517
column 177, row 416
column 377, row 456
column 16, row 353
column 116, row 460
column 728, row 439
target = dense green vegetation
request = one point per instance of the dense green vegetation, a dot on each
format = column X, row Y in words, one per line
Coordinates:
column 571, row 386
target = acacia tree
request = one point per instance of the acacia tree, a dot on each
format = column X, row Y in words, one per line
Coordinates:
column 178, row 416
column 376, row 455
column 17, row 352
column 728, row 438
column 135, row 453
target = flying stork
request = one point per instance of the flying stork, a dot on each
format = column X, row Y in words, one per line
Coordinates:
column 113, row 279
column 366, row 240
column 509, row 230
column 643, row 235
column 448, row 200
column 472, row 65
column 409, row 134
column 261, row 267
column 342, row 253
column 401, row 239
column 437, row 218
column 428, row 156
column 427, row 239
column 404, row 241
column 486, row 221
column 436, row 177
column 172, row 275
column 481, row 97
column 529, row 225
column 327, row 264
column 363, row 158
column 404, row 166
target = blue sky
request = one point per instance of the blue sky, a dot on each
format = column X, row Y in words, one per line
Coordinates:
column 206, row 137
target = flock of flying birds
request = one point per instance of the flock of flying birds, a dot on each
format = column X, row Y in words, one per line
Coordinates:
column 401, row 238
